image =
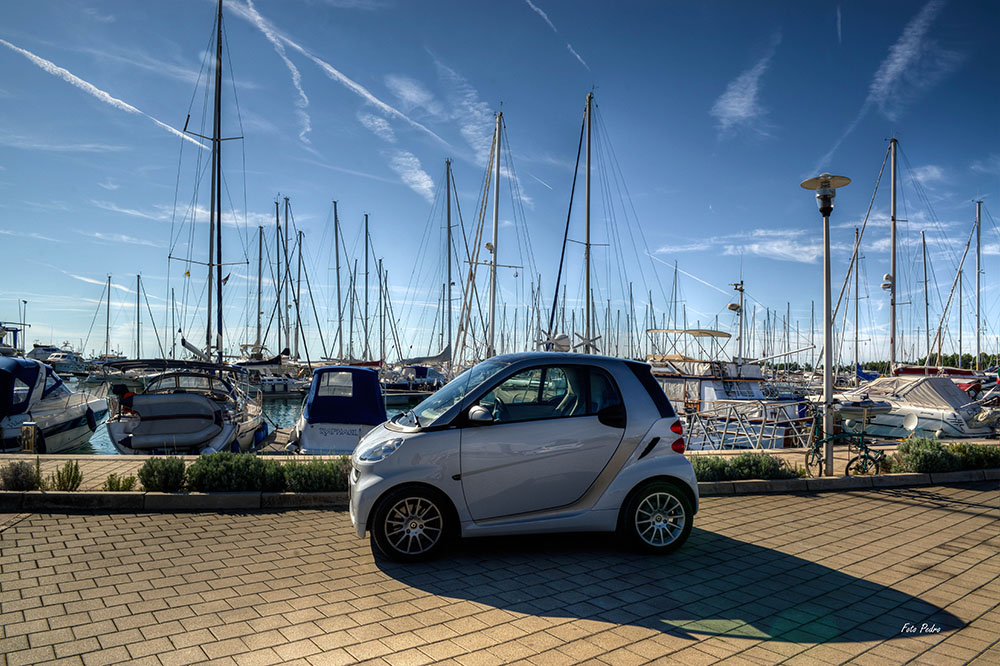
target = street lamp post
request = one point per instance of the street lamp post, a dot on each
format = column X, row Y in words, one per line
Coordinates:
column 826, row 186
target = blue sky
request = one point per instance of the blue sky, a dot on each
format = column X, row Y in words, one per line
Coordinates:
column 709, row 116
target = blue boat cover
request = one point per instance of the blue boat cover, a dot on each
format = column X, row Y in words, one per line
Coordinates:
column 344, row 394
column 11, row 370
column 866, row 376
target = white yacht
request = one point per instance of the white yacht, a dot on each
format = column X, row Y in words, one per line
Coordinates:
column 191, row 407
column 66, row 362
column 933, row 405
column 31, row 391
column 343, row 404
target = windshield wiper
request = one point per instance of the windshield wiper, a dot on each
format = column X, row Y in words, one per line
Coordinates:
column 412, row 415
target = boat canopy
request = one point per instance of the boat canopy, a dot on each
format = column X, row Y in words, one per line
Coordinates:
column 345, row 394
column 21, row 382
column 925, row 391
column 693, row 332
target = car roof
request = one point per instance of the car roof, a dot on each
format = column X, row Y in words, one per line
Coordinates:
column 558, row 356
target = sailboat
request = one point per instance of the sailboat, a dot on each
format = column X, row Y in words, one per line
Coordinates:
column 192, row 406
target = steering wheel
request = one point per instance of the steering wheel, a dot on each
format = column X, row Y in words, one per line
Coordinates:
column 500, row 412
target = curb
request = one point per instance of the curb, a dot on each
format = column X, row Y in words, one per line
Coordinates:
column 12, row 501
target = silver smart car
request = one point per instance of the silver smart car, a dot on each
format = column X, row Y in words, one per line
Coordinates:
column 528, row 443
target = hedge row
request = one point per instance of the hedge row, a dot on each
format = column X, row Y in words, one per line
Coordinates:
column 744, row 466
column 243, row 472
column 216, row 472
column 925, row 456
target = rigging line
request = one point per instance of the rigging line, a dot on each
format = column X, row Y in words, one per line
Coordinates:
column 104, row 288
column 619, row 179
column 152, row 320
column 569, row 214
column 518, row 201
column 420, row 257
column 861, row 233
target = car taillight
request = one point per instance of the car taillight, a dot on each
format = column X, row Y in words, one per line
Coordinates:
column 678, row 444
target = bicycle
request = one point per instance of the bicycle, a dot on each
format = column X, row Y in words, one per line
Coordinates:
column 867, row 462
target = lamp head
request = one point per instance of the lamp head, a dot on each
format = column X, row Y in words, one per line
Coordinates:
column 825, row 186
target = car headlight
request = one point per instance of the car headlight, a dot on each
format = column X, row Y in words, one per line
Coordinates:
column 380, row 451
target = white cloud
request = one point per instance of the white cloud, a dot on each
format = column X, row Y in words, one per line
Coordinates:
column 989, row 165
column 928, row 175
column 378, row 126
column 31, row 235
column 408, row 166
column 335, row 74
column 305, row 123
column 780, row 244
column 412, row 94
column 97, row 16
column 120, row 238
column 93, row 90
column 739, row 105
column 914, row 64
column 29, row 143
column 163, row 213
column 475, row 119
column 109, row 184
column 548, row 21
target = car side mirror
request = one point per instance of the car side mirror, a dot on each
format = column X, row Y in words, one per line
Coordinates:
column 613, row 416
column 479, row 415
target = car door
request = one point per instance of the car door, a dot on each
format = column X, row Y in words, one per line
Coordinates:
column 546, row 444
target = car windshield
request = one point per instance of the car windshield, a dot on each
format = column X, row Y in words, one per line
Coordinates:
column 452, row 393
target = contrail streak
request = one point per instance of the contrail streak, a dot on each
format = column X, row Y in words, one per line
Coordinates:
column 91, row 89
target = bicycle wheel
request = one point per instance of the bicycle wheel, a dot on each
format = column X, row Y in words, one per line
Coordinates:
column 814, row 463
column 861, row 466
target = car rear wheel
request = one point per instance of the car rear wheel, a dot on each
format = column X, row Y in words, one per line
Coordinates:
column 657, row 518
column 411, row 525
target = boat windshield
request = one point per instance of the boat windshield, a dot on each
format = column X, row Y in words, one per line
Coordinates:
column 428, row 411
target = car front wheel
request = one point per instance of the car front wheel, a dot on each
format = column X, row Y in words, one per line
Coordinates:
column 411, row 525
column 657, row 518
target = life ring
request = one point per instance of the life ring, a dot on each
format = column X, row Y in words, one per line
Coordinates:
column 91, row 420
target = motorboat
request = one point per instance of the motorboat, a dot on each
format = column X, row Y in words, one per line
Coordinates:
column 66, row 362
column 32, row 392
column 190, row 407
column 726, row 404
column 343, row 403
column 41, row 352
column 921, row 405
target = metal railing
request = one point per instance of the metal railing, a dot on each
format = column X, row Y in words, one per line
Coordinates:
column 750, row 424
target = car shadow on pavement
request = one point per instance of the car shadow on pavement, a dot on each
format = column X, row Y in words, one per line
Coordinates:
column 712, row 586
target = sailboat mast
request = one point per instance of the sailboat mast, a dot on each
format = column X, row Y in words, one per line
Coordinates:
column 979, row 272
column 927, row 298
column 107, row 324
column 447, row 305
column 217, row 181
column 365, row 321
column 260, row 259
column 340, row 309
column 892, row 258
column 277, row 253
column 857, row 262
column 138, row 320
column 586, row 247
column 298, row 300
column 288, row 286
column 959, row 319
column 491, row 340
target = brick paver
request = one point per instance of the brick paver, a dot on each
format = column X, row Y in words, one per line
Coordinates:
column 875, row 576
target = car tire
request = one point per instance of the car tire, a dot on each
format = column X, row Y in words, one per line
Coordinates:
column 412, row 524
column 657, row 518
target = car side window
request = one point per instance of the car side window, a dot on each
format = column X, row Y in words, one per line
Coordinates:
column 539, row 393
column 603, row 392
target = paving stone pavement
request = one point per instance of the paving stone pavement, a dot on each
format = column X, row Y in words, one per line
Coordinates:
column 867, row 577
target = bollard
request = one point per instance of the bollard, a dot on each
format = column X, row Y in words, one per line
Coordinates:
column 29, row 437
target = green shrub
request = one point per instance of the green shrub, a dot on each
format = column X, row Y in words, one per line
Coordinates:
column 976, row 456
column 67, row 478
column 748, row 465
column 272, row 476
column 19, row 475
column 225, row 472
column 318, row 475
column 709, row 468
column 163, row 475
column 925, row 456
column 116, row 484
